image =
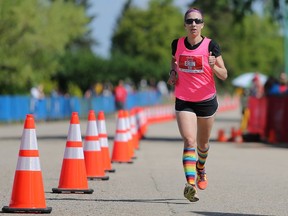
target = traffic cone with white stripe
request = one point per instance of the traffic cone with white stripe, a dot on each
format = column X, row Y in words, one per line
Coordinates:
column 103, row 138
column 133, row 128
column 142, row 122
column 92, row 150
column 73, row 178
column 221, row 136
column 120, row 152
column 129, row 134
column 28, row 190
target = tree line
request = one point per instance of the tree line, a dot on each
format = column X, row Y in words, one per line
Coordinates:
column 49, row 42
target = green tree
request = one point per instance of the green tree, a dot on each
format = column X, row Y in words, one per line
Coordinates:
column 144, row 36
column 33, row 35
column 79, row 66
column 260, row 46
column 82, row 69
column 249, row 42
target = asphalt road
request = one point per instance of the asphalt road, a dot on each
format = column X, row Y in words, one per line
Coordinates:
column 244, row 178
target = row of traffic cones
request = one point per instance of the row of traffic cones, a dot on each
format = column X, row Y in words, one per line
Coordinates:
column 126, row 139
column 79, row 165
column 93, row 153
column 235, row 136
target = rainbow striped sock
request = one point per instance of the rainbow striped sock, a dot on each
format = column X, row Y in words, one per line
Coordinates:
column 202, row 156
column 189, row 164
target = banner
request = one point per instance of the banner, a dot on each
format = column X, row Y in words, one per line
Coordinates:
column 257, row 115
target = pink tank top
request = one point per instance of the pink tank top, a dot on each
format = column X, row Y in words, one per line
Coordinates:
column 195, row 77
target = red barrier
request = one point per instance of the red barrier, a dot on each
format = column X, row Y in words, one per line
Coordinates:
column 257, row 118
column 277, row 114
column 268, row 118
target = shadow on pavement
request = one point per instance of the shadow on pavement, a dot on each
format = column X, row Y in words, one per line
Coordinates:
column 249, row 140
column 164, row 201
column 223, row 213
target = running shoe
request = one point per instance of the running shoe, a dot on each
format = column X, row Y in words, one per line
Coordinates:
column 190, row 193
column 202, row 180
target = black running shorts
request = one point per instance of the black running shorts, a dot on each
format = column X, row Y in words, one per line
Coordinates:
column 203, row 109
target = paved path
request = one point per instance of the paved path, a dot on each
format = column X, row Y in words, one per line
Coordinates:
column 244, row 179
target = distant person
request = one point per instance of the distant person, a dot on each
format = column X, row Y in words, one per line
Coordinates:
column 120, row 94
column 162, row 88
column 280, row 86
column 98, row 88
column 129, row 86
column 244, row 99
column 107, row 89
column 283, row 83
column 269, row 84
column 37, row 94
column 257, row 88
column 88, row 93
column 196, row 59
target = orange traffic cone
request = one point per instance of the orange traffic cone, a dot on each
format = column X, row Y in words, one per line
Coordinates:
column 73, row 176
column 142, row 122
column 233, row 135
column 239, row 137
column 221, row 136
column 28, row 190
column 121, row 147
column 103, row 138
column 92, row 150
column 134, row 128
column 129, row 135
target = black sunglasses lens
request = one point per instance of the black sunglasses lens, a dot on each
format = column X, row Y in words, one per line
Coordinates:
column 190, row 21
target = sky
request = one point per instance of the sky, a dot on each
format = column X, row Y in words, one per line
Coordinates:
column 107, row 12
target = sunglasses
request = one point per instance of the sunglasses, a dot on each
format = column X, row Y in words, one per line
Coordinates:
column 190, row 21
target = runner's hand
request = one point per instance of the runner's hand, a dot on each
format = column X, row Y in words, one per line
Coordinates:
column 172, row 78
column 211, row 60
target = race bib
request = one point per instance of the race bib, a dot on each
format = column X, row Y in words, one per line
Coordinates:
column 191, row 64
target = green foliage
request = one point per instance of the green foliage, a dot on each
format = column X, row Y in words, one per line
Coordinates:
column 48, row 42
column 145, row 36
column 249, row 42
column 34, row 34
column 136, row 68
column 83, row 69
column 258, row 51
column 74, row 90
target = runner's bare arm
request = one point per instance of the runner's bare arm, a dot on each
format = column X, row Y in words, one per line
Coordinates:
column 173, row 73
column 218, row 66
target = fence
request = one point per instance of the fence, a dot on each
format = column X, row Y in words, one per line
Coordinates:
column 15, row 108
